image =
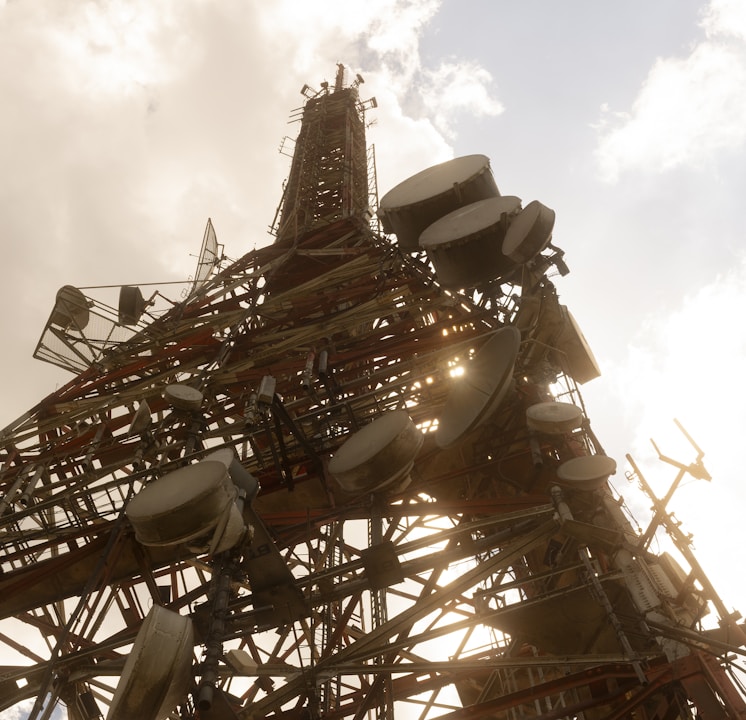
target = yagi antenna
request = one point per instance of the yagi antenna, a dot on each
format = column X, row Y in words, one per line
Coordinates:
column 696, row 469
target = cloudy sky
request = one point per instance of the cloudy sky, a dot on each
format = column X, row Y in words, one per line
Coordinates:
column 125, row 125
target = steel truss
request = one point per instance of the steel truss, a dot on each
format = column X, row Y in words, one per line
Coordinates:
column 480, row 589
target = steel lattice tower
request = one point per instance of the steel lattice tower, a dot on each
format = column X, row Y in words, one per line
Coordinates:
column 480, row 582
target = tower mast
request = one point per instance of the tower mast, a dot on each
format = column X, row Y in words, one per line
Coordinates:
column 328, row 176
column 349, row 475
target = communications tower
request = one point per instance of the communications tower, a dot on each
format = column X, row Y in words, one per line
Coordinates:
column 349, row 475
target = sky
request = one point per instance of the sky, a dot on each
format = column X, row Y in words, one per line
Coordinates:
column 125, row 125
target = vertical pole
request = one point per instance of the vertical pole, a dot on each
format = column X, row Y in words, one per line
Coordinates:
column 683, row 544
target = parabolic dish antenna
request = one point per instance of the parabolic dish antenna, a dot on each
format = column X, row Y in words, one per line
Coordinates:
column 141, row 419
column 379, row 455
column 479, row 392
column 529, row 232
column 409, row 207
column 183, row 397
column 466, row 246
column 182, row 505
column 554, row 417
column 579, row 358
column 131, row 305
column 70, row 309
column 157, row 673
column 209, row 258
column 587, row 472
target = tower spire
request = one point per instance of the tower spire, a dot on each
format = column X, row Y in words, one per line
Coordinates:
column 329, row 173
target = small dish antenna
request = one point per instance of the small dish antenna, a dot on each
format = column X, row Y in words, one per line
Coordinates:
column 554, row 418
column 183, row 397
column 71, row 309
column 141, row 419
column 586, row 472
column 131, row 305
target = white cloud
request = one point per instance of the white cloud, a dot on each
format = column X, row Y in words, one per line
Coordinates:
column 19, row 712
column 404, row 144
column 382, row 41
column 689, row 365
column 384, row 37
column 389, row 29
column 725, row 17
column 131, row 125
column 458, row 87
column 689, row 108
column 111, row 49
column 124, row 112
